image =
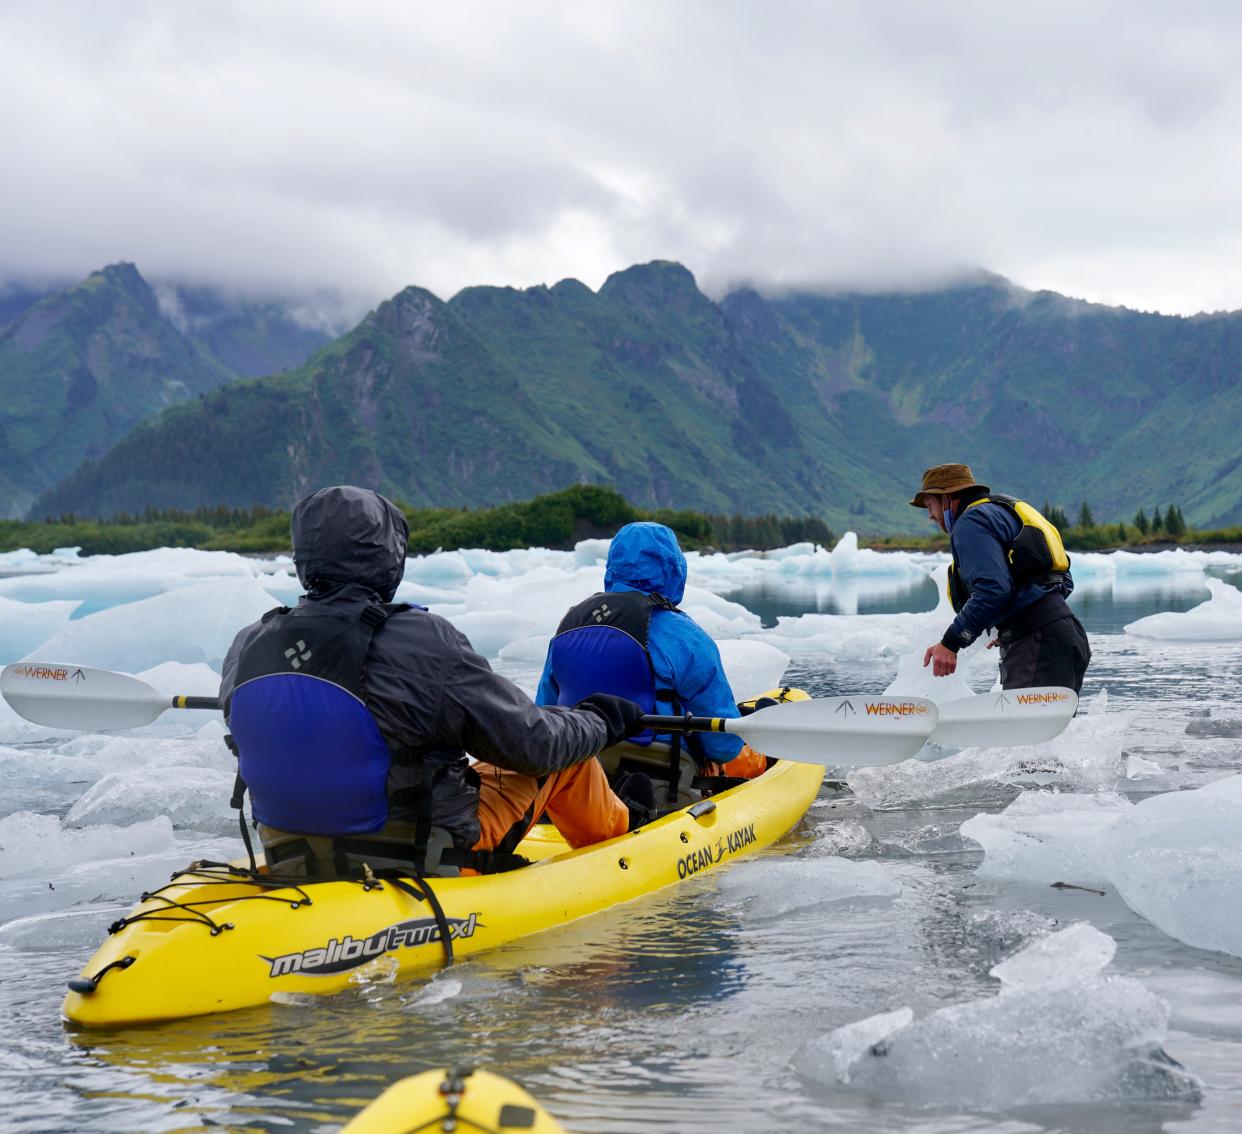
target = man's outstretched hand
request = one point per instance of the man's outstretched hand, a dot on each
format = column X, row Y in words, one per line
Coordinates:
column 942, row 660
column 622, row 718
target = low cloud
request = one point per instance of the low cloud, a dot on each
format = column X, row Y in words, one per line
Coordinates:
column 297, row 147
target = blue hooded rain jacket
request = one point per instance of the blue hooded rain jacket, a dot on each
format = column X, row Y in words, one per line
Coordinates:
column 645, row 557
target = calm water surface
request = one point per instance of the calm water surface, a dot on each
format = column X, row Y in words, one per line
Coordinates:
column 679, row 1012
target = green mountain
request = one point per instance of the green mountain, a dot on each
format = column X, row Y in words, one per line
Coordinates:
column 80, row 367
column 830, row 404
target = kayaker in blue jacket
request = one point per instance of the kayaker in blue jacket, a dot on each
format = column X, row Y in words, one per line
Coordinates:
column 1010, row 572
column 352, row 717
column 644, row 579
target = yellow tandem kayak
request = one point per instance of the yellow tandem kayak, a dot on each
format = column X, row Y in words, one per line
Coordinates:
column 218, row 938
column 465, row 1101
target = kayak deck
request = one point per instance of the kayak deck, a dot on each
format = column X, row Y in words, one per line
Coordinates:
column 454, row 1100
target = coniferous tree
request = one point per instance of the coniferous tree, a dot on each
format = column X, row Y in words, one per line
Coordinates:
column 1122, row 534
column 1140, row 522
column 1174, row 522
column 1157, row 520
column 1085, row 518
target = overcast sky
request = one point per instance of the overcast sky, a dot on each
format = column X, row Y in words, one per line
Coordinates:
column 1090, row 148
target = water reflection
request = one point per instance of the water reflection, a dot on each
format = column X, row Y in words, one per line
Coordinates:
column 791, row 596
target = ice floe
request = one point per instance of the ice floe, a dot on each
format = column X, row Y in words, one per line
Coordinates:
column 1060, row 1031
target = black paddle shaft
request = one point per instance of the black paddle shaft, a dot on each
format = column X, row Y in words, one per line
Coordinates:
column 682, row 724
column 182, row 702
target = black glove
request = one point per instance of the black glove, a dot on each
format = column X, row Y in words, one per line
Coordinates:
column 622, row 718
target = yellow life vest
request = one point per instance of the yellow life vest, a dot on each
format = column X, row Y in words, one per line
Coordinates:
column 1036, row 555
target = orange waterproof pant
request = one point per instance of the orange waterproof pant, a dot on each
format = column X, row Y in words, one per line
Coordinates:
column 578, row 800
column 747, row 764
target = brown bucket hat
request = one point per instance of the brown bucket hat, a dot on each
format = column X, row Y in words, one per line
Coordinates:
column 945, row 480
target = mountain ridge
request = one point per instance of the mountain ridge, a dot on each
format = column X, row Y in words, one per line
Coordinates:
column 800, row 401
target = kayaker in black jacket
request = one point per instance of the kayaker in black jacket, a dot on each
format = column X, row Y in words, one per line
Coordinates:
column 362, row 762
column 1009, row 571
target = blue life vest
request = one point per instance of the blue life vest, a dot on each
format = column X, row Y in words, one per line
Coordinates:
column 601, row 647
column 308, row 748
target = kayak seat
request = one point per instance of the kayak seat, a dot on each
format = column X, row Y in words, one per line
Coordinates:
column 653, row 760
column 387, row 850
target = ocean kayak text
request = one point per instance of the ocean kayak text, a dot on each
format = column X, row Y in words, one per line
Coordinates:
column 702, row 858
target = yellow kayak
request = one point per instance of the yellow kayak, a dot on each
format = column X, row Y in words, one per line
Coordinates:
column 465, row 1101
column 218, row 938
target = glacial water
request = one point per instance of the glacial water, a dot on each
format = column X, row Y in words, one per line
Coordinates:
column 749, row 999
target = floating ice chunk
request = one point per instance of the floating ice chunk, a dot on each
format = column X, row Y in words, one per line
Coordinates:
column 115, row 872
column 1064, row 957
column 36, row 779
column 196, row 623
column 1085, row 757
column 189, row 797
column 846, row 1046
column 63, row 929
column 194, row 679
column 532, row 649
column 914, row 679
column 998, row 933
column 848, row 838
column 930, row 840
column 591, row 552
column 1219, row 619
column 40, row 842
column 439, row 567
column 752, row 667
column 1048, row 837
column 716, row 625
column 774, row 887
column 1223, row 727
column 423, row 594
column 1176, row 859
column 1139, row 769
column 1089, row 1038
column 23, row 625
column 490, row 631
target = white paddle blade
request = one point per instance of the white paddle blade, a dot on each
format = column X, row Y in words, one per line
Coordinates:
column 1006, row 718
column 853, row 732
column 79, row 697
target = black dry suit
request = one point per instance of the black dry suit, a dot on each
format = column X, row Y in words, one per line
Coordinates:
column 352, row 715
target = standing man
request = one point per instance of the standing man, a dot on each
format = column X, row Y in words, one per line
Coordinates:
column 1009, row 571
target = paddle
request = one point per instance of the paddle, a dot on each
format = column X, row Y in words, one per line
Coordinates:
column 835, row 731
column 850, row 731
column 854, row 732
column 79, row 697
column 1008, row 717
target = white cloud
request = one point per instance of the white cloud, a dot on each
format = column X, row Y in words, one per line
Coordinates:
column 1092, row 149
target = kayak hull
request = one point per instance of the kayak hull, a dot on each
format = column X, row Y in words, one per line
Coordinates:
column 211, row 942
